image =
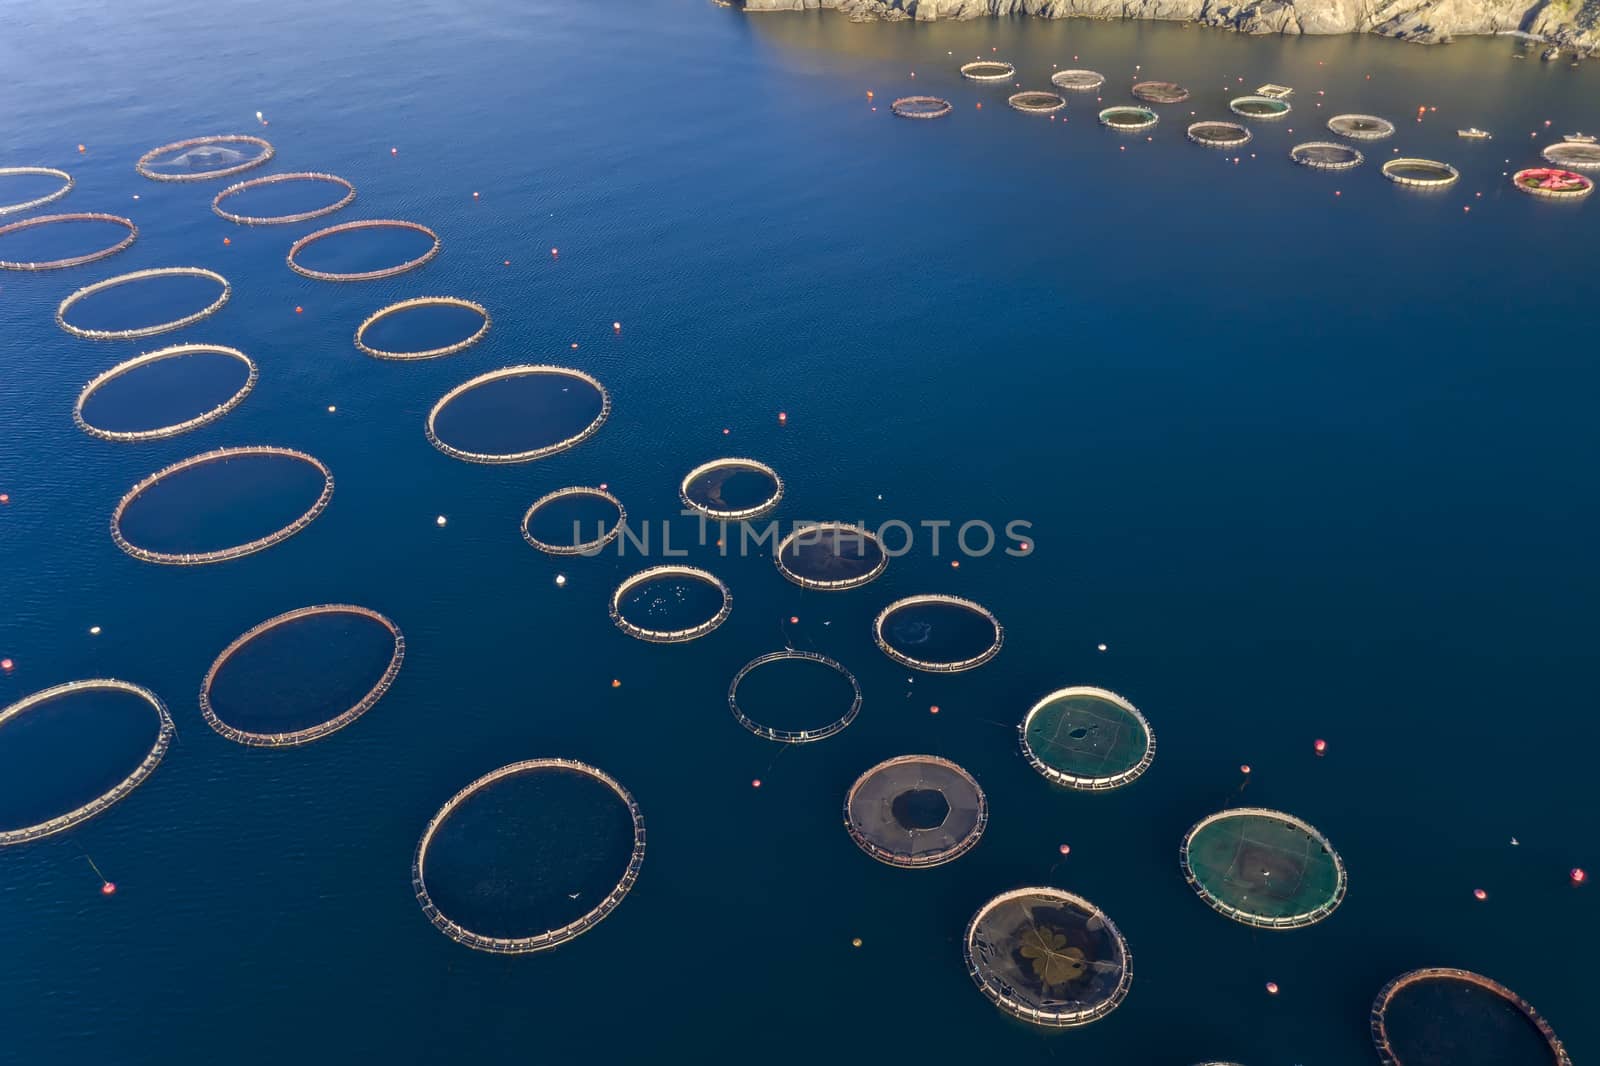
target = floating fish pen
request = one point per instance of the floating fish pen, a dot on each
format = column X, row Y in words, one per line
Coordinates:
column 1574, row 155
column 1048, row 957
column 1326, row 155
column 38, row 201
column 988, row 70
column 414, row 304
column 1442, row 1015
column 1078, row 81
column 495, row 865
column 1263, row 868
column 225, row 290
column 1262, row 107
column 1361, row 127
column 1128, row 119
column 938, row 634
column 545, row 518
column 700, row 593
column 921, row 107
column 199, row 557
column 274, row 655
column 1218, row 134
column 1036, row 102
column 345, row 200
column 830, row 556
column 1160, row 92
column 731, row 490
column 1087, row 738
column 70, row 261
column 1420, row 173
column 915, row 811
column 205, row 158
column 28, row 742
column 362, row 275
column 484, row 409
column 1552, row 184
column 164, row 357
column 827, row 724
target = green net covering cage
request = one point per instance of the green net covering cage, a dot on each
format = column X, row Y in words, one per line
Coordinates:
column 1262, row 107
column 1129, row 119
column 1087, row 738
column 915, row 811
column 1263, row 868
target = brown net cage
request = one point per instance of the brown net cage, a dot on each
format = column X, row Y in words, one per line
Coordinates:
column 374, row 274
column 346, row 196
column 732, row 490
column 205, row 158
column 915, row 811
column 1448, row 1017
column 64, row 262
column 988, row 70
column 1087, row 738
column 1213, row 134
column 577, row 520
column 1035, row 102
column 1326, row 155
column 1078, row 81
column 830, row 556
column 1263, row 868
column 670, row 604
column 154, row 407
column 19, row 206
column 1361, row 127
column 1048, row 957
column 921, row 107
column 224, row 291
column 813, row 696
column 1160, row 92
column 938, row 634
column 475, row 315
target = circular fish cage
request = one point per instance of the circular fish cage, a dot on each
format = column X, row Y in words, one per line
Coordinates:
column 218, row 485
column 68, row 261
column 1326, row 155
column 1262, row 107
column 1218, row 134
column 566, row 511
column 1361, row 127
column 1078, row 81
column 784, row 685
column 204, row 158
column 517, row 414
column 1036, row 102
column 1160, row 92
column 38, row 201
column 258, row 692
column 1574, row 155
column 915, row 811
column 496, row 866
column 830, row 556
column 1263, row 868
column 921, row 107
column 56, row 766
column 1441, row 1016
column 732, row 490
column 167, row 375
column 305, row 176
column 309, row 239
column 135, row 332
column 1087, row 738
column 988, row 70
column 938, row 634
column 1128, row 119
column 1048, row 957
column 385, row 314
column 1420, row 173
column 1552, row 184
column 658, row 594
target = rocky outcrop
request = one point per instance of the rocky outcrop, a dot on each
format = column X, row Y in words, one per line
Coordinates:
column 1574, row 23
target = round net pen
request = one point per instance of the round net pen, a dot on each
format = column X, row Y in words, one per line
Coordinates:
column 945, row 605
column 38, row 201
column 1078, row 81
column 425, row 353
column 176, row 351
column 732, row 490
column 224, row 292
column 1574, row 155
column 1218, row 134
column 677, row 635
column 544, row 939
column 916, row 811
column 1129, row 119
column 1420, row 173
column 1326, row 155
column 68, row 261
column 1035, row 102
column 346, row 198
column 988, row 70
column 921, row 107
column 522, row 455
column 1440, row 1015
column 794, row 736
column 198, row 151
column 830, row 556
column 236, row 551
column 294, row 737
column 362, row 275
column 1087, row 738
column 164, row 732
column 1262, row 107
column 1361, row 127
column 1160, row 92
column 1550, row 183
column 578, row 545
column 1048, row 957
column 1263, row 868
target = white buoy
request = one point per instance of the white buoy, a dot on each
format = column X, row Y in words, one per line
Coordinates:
column 331, row 408
column 94, row 631
column 441, row 520
column 260, row 118
column 1101, row 647
column 561, row 579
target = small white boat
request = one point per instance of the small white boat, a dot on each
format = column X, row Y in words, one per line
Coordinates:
column 1473, row 133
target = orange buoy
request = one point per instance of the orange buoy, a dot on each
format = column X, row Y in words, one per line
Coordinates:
column 955, row 564
column 109, row 888
column 855, row 943
column 1320, row 746
column 1272, row 988
column 869, row 94
column 7, row 665
column 1577, row 875
column 1065, row 849
column 756, row 783
column 616, row 683
column 299, row 310
column 616, row 327
column 227, row 240
column 1479, row 894
column 1244, row 768
column 783, row 416
column 574, row 345
column 5, row 497
column 794, row 619
column 81, row 148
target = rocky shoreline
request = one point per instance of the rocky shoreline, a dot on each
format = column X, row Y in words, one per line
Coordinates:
column 1573, row 24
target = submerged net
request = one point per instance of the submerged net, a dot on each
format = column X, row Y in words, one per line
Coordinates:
column 1129, row 119
column 1325, row 155
column 474, row 311
column 310, row 239
column 1078, row 81
column 1035, row 102
column 1048, row 957
column 1087, row 738
column 1420, row 173
column 1264, row 107
column 1160, row 92
column 573, row 521
column 134, row 332
column 1575, row 155
column 732, row 490
column 916, row 811
column 811, row 695
column 1218, row 134
column 830, row 556
column 1263, row 868
column 938, row 634
column 204, row 158
column 1447, row 1017
column 517, row 414
column 1361, row 127
column 51, row 197
column 347, row 196
column 921, row 107
column 150, row 396
column 63, row 262
column 988, row 70
column 670, row 604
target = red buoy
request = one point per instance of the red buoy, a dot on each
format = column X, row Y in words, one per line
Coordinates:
column 1320, row 745
column 1479, row 894
column 1578, row 876
column 794, row 619
column 756, row 783
column 934, row 709
column 726, row 431
column 1065, row 849
column 5, row 497
column 299, row 310
column 394, row 151
column 1245, row 768
column 7, row 665
column 783, row 416
column 108, row 889
column 1272, row 988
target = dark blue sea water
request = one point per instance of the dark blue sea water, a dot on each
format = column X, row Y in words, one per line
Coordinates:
column 1309, row 465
